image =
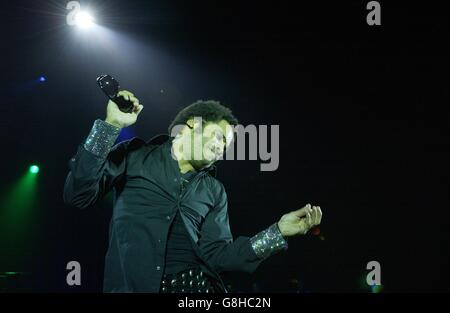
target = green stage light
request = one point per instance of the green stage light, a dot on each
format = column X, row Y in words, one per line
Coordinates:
column 34, row 169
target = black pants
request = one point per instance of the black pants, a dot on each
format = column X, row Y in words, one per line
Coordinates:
column 187, row 281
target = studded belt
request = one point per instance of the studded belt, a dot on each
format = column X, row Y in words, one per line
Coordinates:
column 188, row 281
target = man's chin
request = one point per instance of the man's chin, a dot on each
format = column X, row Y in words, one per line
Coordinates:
column 199, row 165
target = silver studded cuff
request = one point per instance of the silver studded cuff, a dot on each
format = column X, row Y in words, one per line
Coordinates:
column 101, row 138
column 268, row 242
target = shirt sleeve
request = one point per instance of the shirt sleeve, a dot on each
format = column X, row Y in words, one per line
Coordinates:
column 96, row 166
column 243, row 254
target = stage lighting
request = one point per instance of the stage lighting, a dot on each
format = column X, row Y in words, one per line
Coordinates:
column 84, row 20
column 376, row 288
column 42, row 79
column 34, row 169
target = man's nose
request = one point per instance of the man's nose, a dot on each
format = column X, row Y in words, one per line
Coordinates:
column 218, row 148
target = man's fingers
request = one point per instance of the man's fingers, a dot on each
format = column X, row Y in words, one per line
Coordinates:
column 140, row 107
column 313, row 216
column 125, row 92
column 134, row 99
column 316, row 215
column 124, row 95
column 302, row 212
column 309, row 219
column 137, row 107
column 319, row 215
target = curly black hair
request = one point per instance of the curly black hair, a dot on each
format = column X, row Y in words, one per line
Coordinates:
column 209, row 111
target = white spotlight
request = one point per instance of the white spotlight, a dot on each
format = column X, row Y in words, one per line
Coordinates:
column 84, row 20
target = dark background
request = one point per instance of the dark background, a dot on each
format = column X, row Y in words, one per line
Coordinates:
column 361, row 109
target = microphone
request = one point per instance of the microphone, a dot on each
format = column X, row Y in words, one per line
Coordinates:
column 110, row 87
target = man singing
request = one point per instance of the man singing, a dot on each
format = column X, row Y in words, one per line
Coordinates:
column 169, row 230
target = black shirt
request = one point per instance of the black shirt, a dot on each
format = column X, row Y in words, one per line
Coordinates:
column 146, row 182
column 179, row 252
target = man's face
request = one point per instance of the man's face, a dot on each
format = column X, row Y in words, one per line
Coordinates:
column 209, row 142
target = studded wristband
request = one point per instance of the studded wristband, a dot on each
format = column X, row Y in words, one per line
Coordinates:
column 101, row 138
column 268, row 242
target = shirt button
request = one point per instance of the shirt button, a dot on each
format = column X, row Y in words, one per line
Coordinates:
column 73, row 159
column 168, row 217
column 159, row 240
column 158, row 268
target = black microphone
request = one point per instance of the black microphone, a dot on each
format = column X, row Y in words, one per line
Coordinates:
column 110, row 87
